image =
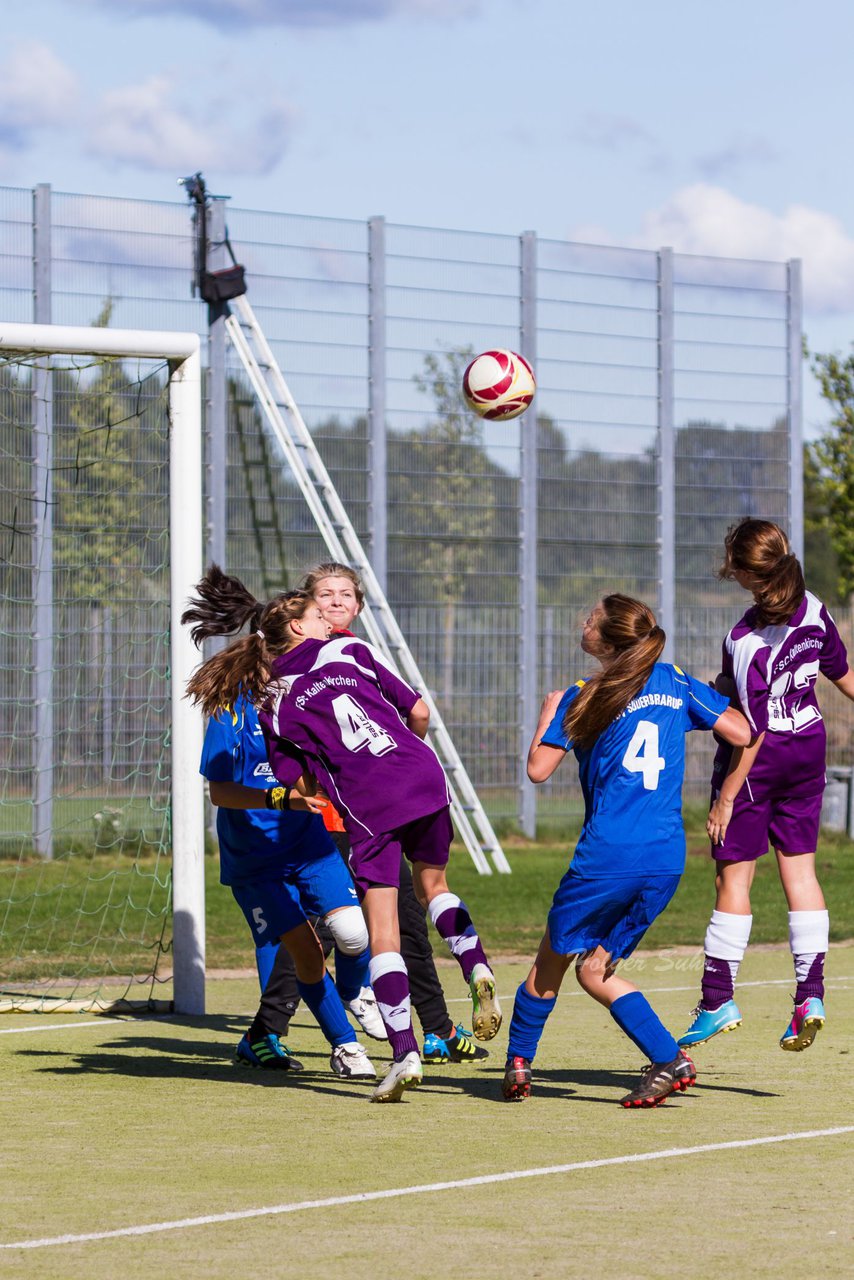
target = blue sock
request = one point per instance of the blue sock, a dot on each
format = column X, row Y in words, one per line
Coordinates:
column 325, row 1003
column 635, row 1016
column 526, row 1025
column 265, row 958
column 351, row 973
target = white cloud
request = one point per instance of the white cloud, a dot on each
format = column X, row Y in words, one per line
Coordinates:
column 142, row 125
column 704, row 219
column 37, row 89
column 296, row 13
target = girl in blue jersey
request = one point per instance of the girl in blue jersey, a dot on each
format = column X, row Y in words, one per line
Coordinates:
column 281, row 867
column 626, row 725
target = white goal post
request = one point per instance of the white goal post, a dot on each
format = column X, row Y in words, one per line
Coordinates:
column 181, row 353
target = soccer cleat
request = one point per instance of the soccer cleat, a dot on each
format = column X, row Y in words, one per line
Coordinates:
column 486, row 1011
column 267, row 1052
column 659, row 1080
column 366, row 1012
column 516, row 1085
column 351, row 1062
column 456, row 1048
column 710, row 1022
column 401, row 1076
column 807, row 1020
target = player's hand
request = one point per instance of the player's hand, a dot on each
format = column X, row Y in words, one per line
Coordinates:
column 720, row 816
column 550, row 705
column 726, row 686
column 308, row 804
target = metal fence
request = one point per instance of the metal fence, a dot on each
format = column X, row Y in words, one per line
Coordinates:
column 668, row 405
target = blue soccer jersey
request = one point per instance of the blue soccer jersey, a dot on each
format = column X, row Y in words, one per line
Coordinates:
column 254, row 842
column 632, row 776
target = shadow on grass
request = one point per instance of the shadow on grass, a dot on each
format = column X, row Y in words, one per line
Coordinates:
column 165, row 1057
column 568, row 1082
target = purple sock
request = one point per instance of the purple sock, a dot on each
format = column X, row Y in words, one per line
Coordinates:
column 718, row 985
column 813, row 983
column 390, row 982
column 453, row 923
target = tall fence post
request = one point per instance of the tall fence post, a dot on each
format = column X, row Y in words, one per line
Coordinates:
column 377, row 427
column 528, row 472
column 794, row 325
column 666, row 533
column 216, row 401
column 43, row 747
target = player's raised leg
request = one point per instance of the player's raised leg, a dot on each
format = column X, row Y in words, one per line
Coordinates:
column 453, row 923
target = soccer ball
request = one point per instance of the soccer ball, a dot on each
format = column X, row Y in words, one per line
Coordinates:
column 499, row 385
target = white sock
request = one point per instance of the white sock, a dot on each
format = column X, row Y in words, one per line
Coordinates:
column 809, row 936
column 727, row 937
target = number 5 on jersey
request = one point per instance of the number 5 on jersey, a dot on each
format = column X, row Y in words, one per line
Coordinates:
column 358, row 730
column 642, row 754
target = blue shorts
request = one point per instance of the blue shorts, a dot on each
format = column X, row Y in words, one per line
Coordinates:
column 612, row 912
column 273, row 906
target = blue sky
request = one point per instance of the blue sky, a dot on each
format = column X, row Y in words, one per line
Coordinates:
column 714, row 129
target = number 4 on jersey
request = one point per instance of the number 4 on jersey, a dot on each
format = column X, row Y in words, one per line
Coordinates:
column 642, row 754
column 358, row 730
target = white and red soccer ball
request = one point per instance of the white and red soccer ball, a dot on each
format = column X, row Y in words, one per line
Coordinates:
column 499, row 385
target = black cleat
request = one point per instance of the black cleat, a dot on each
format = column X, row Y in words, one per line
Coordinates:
column 659, row 1080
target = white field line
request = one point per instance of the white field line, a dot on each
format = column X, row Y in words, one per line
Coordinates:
column 655, row 991
column 60, row 1026
column 483, row 1180
column 105, row 1020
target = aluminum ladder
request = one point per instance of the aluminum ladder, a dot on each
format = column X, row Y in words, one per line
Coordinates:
column 297, row 444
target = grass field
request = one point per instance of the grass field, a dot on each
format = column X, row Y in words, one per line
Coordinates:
column 114, row 1125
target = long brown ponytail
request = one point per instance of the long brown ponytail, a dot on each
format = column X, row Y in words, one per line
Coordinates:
column 761, row 548
column 627, row 629
column 221, row 607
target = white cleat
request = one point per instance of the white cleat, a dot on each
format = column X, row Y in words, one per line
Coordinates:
column 486, row 1011
column 351, row 1062
column 365, row 1010
column 402, row 1075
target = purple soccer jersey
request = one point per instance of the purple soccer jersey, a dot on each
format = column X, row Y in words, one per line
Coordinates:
column 775, row 669
column 335, row 708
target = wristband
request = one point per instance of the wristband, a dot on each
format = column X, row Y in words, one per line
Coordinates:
column 277, row 798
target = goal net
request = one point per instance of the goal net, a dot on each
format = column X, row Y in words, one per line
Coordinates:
column 101, row 820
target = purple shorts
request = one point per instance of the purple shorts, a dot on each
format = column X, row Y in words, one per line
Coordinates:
column 789, row 822
column 376, row 861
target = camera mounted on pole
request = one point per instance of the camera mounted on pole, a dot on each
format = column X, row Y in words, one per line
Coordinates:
column 214, row 287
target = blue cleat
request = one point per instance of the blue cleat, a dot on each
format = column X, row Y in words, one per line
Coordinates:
column 456, row 1048
column 267, row 1052
column 807, row 1021
column 710, row 1022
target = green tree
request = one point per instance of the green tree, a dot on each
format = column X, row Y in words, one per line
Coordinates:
column 830, row 471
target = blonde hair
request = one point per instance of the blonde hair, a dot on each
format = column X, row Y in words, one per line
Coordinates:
column 332, row 569
column 628, row 629
column 223, row 606
column 761, row 548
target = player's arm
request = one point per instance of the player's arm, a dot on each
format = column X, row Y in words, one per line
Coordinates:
column 418, row 718
column 734, row 728
column 234, row 795
column 543, row 759
column 845, row 684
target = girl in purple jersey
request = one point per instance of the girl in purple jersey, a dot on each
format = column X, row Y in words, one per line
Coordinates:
column 772, row 659
column 334, row 712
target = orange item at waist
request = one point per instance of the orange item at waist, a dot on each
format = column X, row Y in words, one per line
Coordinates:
column 332, row 818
